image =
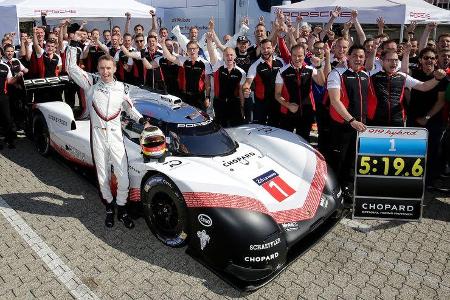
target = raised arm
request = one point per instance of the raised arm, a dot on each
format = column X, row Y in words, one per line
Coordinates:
column 37, row 49
column 181, row 39
column 127, row 22
column 430, row 84
column 336, row 12
column 243, row 30
column 380, row 23
column 134, row 54
column 359, row 30
column 82, row 78
column 154, row 21
column 169, row 56
column 426, row 34
column 405, row 58
column 210, row 47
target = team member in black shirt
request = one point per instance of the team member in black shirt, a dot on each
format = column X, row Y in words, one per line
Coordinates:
column 263, row 72
column 5, row 115
column 425, row 110
column 194, row 75
column 293, row 90
column 348, row 88
column 15, row 90
column 389, row 88
column 228, row 80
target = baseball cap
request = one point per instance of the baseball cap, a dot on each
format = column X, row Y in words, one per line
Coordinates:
column 242, row 38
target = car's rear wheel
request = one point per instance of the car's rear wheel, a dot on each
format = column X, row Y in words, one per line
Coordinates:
column 41, row 135
column 165, row 211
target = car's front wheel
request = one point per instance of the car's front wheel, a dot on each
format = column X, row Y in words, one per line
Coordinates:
column 41, row 135
column 165, row 211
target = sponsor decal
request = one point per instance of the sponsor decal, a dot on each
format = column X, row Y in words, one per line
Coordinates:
column 241, row 159
column 275, row 185
column 189, row 125
column 324, row 201
column 75, row 152
column 291, row 226
column 393, row 132
column 261, row 258
column 57, row 120
column 134, row 169
column 204, row 238
column 388, row 207
column 205, row 220
column 266, row 245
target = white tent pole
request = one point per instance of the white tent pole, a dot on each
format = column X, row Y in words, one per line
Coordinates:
column 402, row 29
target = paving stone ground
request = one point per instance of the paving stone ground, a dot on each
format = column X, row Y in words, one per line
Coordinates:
column 386, row 260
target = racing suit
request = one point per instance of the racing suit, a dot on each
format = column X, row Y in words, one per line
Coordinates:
column 106, row 101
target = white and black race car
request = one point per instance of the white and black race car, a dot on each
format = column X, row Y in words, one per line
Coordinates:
column 245, row 200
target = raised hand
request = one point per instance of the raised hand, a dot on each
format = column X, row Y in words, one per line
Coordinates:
column 411, row 27
column 336, row 12
column 261, row 20
column 211, row 24
column 128, row 15
column 380, row 22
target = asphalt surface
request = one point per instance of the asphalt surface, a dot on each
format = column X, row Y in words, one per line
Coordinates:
column 53, row 245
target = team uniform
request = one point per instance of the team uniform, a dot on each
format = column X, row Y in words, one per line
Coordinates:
column 5, row 114
column 227, row 103
column 267, row 108
column 15, row 91
column 297, row 88
column 152, row 78
column 94, row 53
column 355, row 96
column 122, row 60
column 389, row 93
column 192, row 78
column 170, row 74
column 420, row 104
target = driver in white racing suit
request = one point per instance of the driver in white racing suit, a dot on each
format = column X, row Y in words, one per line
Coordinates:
column 106, row 99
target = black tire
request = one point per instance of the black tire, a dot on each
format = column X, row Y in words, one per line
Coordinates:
column 165, row 211
column 41, row 135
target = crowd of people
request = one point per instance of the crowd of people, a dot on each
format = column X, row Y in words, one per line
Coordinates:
column 292, row 77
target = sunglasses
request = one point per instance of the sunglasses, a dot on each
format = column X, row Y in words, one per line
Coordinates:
column 428, row 57
column 139, row 41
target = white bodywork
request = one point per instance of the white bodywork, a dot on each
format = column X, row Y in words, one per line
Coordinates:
column 226, row 181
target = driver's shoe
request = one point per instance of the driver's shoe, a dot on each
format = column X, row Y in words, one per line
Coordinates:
column 123, row 217
column 109, row 220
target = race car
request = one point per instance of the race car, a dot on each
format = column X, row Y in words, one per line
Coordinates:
column 246, row 200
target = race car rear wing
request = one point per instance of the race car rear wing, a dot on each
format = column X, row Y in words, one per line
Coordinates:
column 45, row 83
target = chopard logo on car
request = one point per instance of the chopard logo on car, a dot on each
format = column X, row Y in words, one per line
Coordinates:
column 205, row 220
column 261, row 258
column 242, row 159
column 266, row 245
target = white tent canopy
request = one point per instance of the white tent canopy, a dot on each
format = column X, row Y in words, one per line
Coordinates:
column 393, row 11
column 13, row 12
